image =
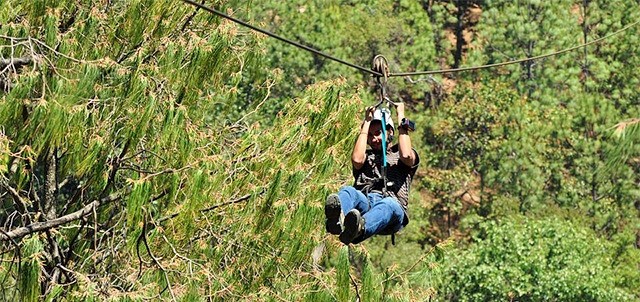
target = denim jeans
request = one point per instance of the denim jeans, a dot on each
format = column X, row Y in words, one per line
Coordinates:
column 379, row 213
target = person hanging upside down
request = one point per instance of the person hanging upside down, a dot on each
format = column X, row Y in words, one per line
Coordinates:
column 360, row 211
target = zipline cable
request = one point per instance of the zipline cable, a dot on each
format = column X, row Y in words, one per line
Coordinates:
column 400, row 74
column 270, row 34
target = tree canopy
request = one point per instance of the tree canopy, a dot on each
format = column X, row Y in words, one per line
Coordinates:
column 152, row 151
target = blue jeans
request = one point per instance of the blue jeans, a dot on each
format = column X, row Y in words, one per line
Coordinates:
column 379, row 213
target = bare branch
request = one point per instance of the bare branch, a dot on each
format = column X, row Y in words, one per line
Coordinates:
column 432, row 250
column 15, row 62
column 143, row 238
column 49, row 224
column 241, row 199
column 3, row 233
column 165, row 171
column 269, row 85
column 61, row 54
column 115, row 167
column 68, row 273
column 72, row 242
column 355, row 285
column 63, row 183
column 53, row 249
column 20, row 202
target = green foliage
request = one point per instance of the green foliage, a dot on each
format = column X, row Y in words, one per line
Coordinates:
column 610, row 64
column 55, row 293
column 223, row 144
column 533, row 260
column 354, row 31
column 512, row 30
column 465, row 128
column 626, row 148
column 370, row 289
column 343, row 281
column 29, row 270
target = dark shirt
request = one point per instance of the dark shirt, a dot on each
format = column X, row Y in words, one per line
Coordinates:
column 368, row 178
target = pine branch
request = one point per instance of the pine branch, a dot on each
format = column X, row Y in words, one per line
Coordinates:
column 52, row 223
column 143, row 238
column 623, row 127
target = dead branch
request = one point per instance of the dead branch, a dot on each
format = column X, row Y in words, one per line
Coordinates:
column 355, row 285
column 20, row 202
column 52, row 223
column 68, row 273
column 241, row 199
column 15, row 62
column 143, row 238
column 72, row 242
column 3, row 233
column 53, row 249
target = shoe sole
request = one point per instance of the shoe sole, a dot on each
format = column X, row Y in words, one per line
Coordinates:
column 332, row 211
column 350, row 227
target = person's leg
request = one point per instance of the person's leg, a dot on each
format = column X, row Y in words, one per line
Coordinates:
column 385, row 214
column 350, row 198
column 338, row 205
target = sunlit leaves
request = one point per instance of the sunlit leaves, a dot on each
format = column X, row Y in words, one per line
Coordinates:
column 532, row 260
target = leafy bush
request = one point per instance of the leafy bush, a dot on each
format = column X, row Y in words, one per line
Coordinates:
column 522, row 259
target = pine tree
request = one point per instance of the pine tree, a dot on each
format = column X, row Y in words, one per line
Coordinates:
column 119, row 152
column 149, row 149
column 512, row 30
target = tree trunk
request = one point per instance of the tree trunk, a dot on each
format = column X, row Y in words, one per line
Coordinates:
column 462, row 9
column 50, row 186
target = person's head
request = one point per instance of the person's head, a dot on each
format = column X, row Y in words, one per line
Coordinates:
column 374, row 138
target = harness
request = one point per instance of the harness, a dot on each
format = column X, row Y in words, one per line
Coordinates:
column 368, row 187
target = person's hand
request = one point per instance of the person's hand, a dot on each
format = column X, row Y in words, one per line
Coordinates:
column 399, row 109
column 369, row 114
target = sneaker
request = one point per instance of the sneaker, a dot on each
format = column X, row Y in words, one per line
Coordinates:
column 333, row 214
column 353, row 226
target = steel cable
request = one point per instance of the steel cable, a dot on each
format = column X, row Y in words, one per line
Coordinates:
column 400, row 74
column 288, row 41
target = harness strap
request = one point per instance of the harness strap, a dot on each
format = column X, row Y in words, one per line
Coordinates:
column 384, row 157
column 381, row 66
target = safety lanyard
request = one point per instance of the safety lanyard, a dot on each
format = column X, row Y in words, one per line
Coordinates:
column 381, row 66
column 384, row 155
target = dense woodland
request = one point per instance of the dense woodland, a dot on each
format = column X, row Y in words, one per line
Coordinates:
column 150, row 150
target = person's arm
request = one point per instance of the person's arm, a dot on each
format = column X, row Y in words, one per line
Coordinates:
column 358, row 155
column 407, row 155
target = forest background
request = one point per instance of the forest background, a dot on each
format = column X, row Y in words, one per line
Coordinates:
column 152, row 151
